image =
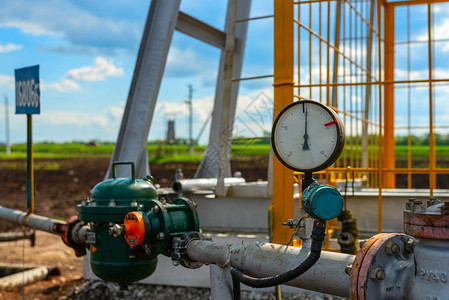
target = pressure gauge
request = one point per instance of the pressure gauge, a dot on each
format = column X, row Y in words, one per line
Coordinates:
column 307, row 136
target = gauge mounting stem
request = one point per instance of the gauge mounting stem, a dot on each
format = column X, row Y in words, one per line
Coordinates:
column 307, row 179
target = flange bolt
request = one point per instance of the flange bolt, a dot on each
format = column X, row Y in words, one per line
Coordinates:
column 377, row 273
column 432, row 201
column 160, row 236
column 348, row 269
column 361, row 243
column 445, row 208
column 410, row 245
column 392, row 248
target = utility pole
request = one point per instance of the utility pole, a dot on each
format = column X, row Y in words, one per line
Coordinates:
column 189, row 103
column 8, row 145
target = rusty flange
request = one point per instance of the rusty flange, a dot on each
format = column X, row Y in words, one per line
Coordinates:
column 430, row 223
column 374, row 270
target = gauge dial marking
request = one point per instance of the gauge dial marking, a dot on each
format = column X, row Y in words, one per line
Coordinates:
column 330, row 123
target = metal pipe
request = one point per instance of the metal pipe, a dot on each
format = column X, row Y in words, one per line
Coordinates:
column 267, row 259
column 23, row 278
column 220, row 283
column 188, row 185
column 31, row 220
column 14, row 236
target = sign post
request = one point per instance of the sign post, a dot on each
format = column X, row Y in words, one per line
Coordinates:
column 28, row 102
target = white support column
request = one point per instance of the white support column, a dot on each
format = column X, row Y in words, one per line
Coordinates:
column 133, row 135
column 208, row 167
column 220, row 283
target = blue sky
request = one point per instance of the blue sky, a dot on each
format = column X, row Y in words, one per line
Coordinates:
column 87, row 52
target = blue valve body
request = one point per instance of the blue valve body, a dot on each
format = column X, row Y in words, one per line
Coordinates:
column 322, row 202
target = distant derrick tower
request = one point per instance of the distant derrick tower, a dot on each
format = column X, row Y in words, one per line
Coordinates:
column 171, row 137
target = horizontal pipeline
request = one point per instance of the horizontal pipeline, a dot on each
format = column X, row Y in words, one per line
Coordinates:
column 33, row 221
column 266, row 259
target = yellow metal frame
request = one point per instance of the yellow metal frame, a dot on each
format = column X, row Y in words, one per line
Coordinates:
column 330, row 36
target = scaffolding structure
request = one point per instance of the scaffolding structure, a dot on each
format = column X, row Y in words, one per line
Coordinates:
column 373, row 62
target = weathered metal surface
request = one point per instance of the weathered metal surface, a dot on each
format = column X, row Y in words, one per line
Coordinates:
column 426, row 221
column 14, row 236
column 356, row 265
column 397, row 266
column 421, row 231
column 429, row 279
column 220, row 282
column 189, row 185
column 208, row 167
column 266, row 259
column 31, row 220
column 29, row 275
column 383, row 272
column 200, row 30
column 140, row 106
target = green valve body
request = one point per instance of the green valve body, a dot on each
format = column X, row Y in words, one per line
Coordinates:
column 322, row 202
column 114, row 258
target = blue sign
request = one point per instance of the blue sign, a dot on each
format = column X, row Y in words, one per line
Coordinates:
column 28, row 90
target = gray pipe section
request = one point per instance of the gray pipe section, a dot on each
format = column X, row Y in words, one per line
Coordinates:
column 220, row 283
column 14, row 236
column 23, row 278
column 32, row 221
column 266, row 259
column 188, row 185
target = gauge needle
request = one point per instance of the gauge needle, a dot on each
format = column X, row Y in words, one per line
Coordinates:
column 305, row 146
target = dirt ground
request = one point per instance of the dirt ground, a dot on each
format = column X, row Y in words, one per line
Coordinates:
column 61, row 184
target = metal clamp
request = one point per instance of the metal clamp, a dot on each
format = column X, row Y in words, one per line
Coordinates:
column 179, row 250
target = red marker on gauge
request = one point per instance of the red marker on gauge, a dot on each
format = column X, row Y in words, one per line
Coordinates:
column 330, row 123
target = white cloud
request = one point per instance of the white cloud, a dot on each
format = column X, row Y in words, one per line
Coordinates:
column 170, row 108
column 101, row 69
column 65, row 85
column 6, row 81
column 108, row 119
column 202, row 108
column 9, row 47
column 97, row 72
column 114, row 113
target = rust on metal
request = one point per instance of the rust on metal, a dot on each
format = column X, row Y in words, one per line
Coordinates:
column 358, row 262
column 431, row 226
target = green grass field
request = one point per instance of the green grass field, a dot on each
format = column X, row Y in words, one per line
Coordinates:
column 172, row 153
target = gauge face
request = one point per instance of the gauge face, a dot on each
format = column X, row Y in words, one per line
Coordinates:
column 307, row 136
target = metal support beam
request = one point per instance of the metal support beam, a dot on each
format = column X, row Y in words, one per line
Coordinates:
column 133, row 135
column 333, row 102
column 389, row 155
column 369, row 50
column 432, row 138
column 200, row 30
column 220, row 283
column 226, row 124
column 282, row 204
column 208, row 167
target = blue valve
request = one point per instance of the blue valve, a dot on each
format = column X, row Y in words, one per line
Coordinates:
column 322, row 202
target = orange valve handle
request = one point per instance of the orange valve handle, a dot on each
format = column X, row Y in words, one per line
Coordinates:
column 135, row 229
